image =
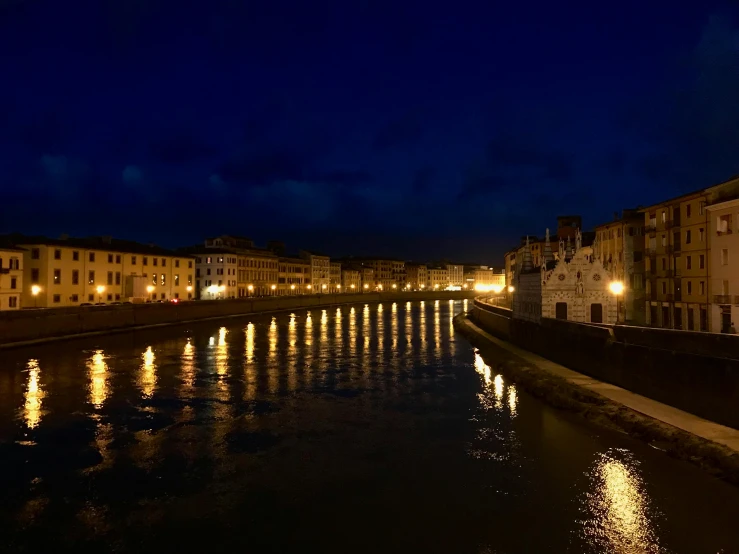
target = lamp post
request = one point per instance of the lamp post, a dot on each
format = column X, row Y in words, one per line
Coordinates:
column 189, row 292
column 366, row 286
column 150, row 289
column 273, row 287
column 35, row 289
column 338, row 288
column 100, row 290
column 617, row 289
column 250, row 289
column 309, row 286
column 292, row 288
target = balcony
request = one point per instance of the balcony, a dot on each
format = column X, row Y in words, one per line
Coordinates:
column 722, row 299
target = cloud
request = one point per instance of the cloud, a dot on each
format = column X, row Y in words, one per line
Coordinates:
column 513, row 162
column 399, row 132
column 181, row 147
column 691, row 127
column 132, row 175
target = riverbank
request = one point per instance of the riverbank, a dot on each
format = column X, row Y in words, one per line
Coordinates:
column 713, row 447
column 29, row 327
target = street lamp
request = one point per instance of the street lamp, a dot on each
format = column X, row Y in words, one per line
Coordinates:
column 189, row 288
column 352, row 287
column 35, row 289
column 617, row 289
column 308, row 287
column 324, row 287
column 250, row 288
column 101, row 290
column 511, row 288
column 273, row 287
column 366, row 286
column 338, row 287
column 395, row 286
column 292, row 287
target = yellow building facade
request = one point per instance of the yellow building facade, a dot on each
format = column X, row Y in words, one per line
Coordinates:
column 72, row 271
column 677, row 262
column 723, row 239
column 11, row 278
column 293, row 276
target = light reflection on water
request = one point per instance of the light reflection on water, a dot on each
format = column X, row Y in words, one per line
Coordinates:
column 210, row 404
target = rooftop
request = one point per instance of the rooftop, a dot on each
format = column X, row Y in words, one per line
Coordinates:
column 109, row 244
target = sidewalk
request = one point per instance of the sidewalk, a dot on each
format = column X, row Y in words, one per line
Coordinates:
column 684, row 421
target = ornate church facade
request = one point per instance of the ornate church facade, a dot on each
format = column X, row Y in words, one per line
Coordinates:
column 572, row 284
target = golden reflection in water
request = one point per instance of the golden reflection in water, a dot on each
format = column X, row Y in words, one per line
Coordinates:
column 353, row 335
column 394, row 325
column 97, row 371
column 222, row 353
column 292, row 353
column 272, row 374
column 338, row 336
column 273, row 338
column 498, row 386
column 250, row 386
column 148, row 373
column 437, row 329
column 464, row 304
column 249, row 343
column 366, row 331
column 422, row 357
column 512, row 399
column 324, row 328
column 308, row 342
column 33, row 396
column 409, row 327
column 187, row 361
column 619, row 509
column 483, row 369
column 380, row 331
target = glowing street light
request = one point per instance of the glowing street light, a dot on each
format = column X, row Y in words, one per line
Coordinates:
column 308, row 287
column 366, row 286
column 338, row 287
column 352, row 287
column 150, row 289
column 617, row 289
column 250, row 288
column 189, row 288
column 35, row 289
column 324, row 287
column 273, row 287
column 292, row 287
column 511, row 288
column 395, row 286
column 100, row 289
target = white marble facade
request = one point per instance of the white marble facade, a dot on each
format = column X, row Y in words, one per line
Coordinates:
column 575, row 286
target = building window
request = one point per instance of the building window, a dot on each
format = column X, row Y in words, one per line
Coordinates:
column 13, row 282
column 117, row 277
column 34, row 275
column 57, row 276
column 155, row 261
column 163, row 296
column 687, row 236
column 164, row 279
column 110, row 277
column 164, row 262
column 664, row 263
column 91, row 278
column 189, row 264
column 664, row 216
column 700, row 234
column 110, row 297
column 691, row 319
column 189, row 279
column 701, row 207
column 110, row 258
column 723, row 224
column 207, row 271
column 117, row 258
column 638, row 256
column 133, row 260
column 117, row 297
column 56, row 299
column 13, row 302
column 664, row 287
column 690, row 287
column 57, row 254
column 91, row 257
column 146, row 261
column 75, row 277
column 153, row 278
column 75, row 298
column 687, row 210
column 596, row 313
column 90, row 297
column 688, row 262
column 76, row 255
column 701, row 288
column 724, row 256
column 177, row 263
column 560, row 310
column 177, row 295
column 702, row 261
column 208, row 260
column 177, row 280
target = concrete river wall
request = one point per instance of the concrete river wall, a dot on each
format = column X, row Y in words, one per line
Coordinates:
column 696, row 372
column 29, row 325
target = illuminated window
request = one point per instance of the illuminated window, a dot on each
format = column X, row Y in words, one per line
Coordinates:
column 91, row 278
column 57, row 276
column 701, row 288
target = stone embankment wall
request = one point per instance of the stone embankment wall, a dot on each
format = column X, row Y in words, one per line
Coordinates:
column 696, row 372
column 27, row 325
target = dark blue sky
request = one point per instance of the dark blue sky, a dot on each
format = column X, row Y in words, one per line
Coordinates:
column 418, row 129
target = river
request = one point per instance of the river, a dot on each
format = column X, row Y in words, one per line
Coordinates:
column 364, row 428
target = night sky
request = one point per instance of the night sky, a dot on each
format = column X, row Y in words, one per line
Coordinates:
column 414, row 129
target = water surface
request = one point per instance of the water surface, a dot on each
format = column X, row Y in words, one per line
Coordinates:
column 365, row 428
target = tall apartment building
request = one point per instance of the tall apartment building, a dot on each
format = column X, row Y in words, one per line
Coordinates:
column 438, row 278
column 620, row 247
column 334, row 277
column 73, row 271
column 723, row 265
column 11, row 277
column 416, row 276
column 293, row 276
column 216, row 273
column 351, row 280
column 368, row 278
column 399, row 274
column 320, row 267
column 456, row 274
column 678, row 258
